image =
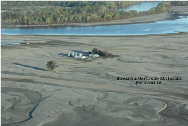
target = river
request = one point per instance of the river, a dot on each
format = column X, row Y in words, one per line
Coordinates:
column 143, row 6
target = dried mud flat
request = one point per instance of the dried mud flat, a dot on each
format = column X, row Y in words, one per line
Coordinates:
column 86, row 92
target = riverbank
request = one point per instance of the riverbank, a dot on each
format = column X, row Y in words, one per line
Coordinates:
column 173, row 13
column 86, row 92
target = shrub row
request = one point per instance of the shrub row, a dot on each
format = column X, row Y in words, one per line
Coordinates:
column 103, row 53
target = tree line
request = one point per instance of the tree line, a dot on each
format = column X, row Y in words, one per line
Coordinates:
column 10, row 4
column 64, row 12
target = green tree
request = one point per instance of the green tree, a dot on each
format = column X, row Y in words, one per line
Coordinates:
column 51, row 65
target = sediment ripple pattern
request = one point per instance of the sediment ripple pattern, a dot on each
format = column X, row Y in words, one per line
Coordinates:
column 19, row 105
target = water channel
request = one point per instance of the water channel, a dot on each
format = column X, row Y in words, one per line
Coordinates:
column 143, row 6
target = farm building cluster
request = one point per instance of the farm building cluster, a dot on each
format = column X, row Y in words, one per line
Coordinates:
column 80, row 55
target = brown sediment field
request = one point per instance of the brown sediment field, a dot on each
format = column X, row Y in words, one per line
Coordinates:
column 86, row 92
